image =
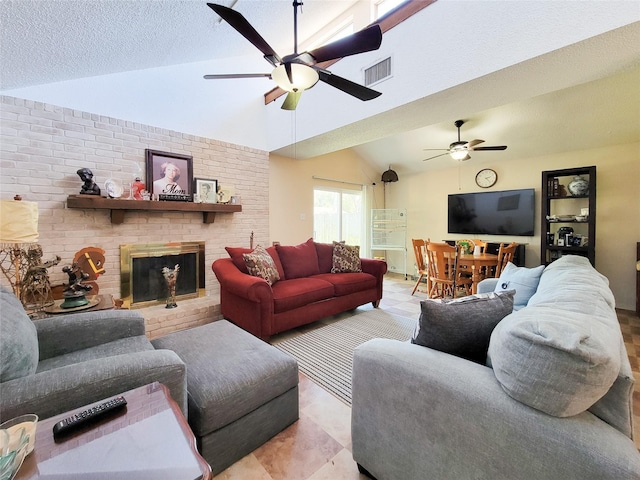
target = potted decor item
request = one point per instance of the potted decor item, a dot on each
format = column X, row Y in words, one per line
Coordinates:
column 578, row 187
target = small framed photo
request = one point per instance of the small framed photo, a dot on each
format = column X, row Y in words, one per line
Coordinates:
column 169, row 175
column 205, row 190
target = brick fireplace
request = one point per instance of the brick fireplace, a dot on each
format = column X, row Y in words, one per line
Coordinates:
column 44, row 145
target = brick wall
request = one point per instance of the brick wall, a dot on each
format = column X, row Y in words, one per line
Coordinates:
column 41, row 148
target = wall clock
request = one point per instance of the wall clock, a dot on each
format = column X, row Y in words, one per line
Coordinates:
column 486, row 178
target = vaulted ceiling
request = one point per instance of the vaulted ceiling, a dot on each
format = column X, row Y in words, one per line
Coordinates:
column 581, row 96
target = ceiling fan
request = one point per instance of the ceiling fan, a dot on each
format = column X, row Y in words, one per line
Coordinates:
column 297, row 72
column 460, row 150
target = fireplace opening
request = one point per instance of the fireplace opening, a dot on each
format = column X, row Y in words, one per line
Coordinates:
column 142, row 283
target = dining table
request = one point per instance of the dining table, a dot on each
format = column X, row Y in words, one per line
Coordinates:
column 476, row 264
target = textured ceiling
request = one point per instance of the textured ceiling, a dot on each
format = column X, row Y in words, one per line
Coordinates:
column 50, row 41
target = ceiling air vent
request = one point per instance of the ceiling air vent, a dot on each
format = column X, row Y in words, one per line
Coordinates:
column 377, row 72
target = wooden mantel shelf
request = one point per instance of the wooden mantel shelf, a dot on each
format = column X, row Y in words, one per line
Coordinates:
column 119, row 206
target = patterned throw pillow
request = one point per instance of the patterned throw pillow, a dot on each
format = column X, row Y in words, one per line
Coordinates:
column 260, row 264
column 346, row 258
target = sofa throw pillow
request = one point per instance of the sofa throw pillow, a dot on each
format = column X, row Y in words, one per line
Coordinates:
column 238, row 260
column 325, row 256
column 260, row 264
column 346, row 258
column 19, row 340
column 521, row 279
column 299, row 261
column 462, row 327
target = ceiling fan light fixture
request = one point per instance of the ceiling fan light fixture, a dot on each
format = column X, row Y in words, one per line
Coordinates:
column 304, row 77
column 458, row 151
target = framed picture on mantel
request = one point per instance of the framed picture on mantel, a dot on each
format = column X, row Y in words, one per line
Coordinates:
column 205, row 190
column 169, row 175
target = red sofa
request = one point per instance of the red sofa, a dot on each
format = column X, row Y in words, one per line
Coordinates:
column 306, row 291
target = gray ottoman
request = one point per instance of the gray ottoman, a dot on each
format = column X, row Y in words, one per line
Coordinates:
column 241, row 390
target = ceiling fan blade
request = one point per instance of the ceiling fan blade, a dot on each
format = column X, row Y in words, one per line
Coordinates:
column 497, row 147
column 473, row 143
column 365, row 40
column 347, row 86
column 436, row 149
column 237, row 75
column 436, row 156
column 291, row 102
column 244, row 28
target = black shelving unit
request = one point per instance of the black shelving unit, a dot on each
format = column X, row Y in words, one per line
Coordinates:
column 560, row 202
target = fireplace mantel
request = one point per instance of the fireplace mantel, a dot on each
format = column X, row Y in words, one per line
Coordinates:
column 119, row 206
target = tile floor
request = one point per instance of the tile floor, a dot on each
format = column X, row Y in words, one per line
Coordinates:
column 318, row 445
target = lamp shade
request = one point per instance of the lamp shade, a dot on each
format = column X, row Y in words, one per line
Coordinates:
column 304, row 77
column 18, row 222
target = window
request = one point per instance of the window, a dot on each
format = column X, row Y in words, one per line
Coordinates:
column 341, row 31
column 337, row 215
column 385, row 6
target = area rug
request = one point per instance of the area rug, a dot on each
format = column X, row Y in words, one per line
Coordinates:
column 325, row 353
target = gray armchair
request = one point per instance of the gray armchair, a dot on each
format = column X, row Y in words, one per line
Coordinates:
column 53, row 365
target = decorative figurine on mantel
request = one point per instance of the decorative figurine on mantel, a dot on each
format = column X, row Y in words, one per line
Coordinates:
column 171, row 277
column 89, row 187
column 75, row 292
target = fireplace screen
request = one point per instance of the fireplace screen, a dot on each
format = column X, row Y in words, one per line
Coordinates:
column 141, row 280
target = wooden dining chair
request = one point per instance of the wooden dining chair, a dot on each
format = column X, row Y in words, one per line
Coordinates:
column 505, row 255
column 419, row 250
column 442, row 264
column 484, row 271
column 480, row 243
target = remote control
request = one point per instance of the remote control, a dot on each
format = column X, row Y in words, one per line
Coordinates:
column 88, row 417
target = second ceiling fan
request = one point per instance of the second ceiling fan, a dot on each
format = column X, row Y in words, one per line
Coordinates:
column 460, row 150
column 297, row 72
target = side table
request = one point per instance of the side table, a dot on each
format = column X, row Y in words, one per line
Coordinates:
column 150, row 439
column 97, row 302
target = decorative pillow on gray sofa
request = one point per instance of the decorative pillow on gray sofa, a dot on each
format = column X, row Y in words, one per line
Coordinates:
column 462, row 327
column 18, row 339
column 561, row 354
column 521, row 279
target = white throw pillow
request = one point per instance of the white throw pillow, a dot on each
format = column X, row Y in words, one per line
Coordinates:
column 521, row 279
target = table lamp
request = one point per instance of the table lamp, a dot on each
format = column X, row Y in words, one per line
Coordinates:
column 18, row 231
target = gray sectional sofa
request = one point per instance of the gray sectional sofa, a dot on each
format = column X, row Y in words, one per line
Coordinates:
column 556, row 402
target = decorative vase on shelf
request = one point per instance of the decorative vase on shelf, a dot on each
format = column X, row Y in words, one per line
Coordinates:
column 578, row 187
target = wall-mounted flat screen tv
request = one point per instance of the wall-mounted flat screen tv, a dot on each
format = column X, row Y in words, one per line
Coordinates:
column 508, row 212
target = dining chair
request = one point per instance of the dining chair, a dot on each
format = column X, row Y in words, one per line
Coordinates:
column 480, row 243
column 442, row 265
column 419, row 250
column 505, row 255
